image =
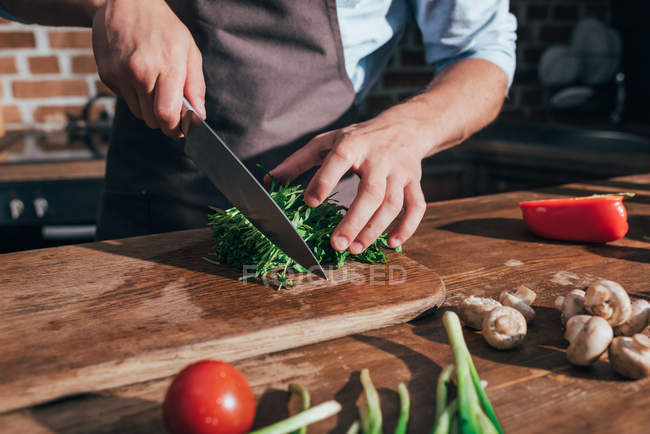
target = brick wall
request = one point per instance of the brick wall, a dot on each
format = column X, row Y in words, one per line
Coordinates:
column 44, row 74
column 47, row 72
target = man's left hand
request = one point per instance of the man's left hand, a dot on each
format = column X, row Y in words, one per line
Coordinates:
column 386, row 152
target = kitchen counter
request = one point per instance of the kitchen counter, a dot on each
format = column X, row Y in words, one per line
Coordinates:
column 517, row 155
column 478, row 246
column 46, row 171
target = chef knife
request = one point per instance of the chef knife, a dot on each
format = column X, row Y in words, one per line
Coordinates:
column 214, row 158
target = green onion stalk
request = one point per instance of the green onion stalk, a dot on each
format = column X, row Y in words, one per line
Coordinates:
column 471, row 412
column 302, row 392
column 443, row 389
column 302, row 419
column 370, row 414
column 405, row 404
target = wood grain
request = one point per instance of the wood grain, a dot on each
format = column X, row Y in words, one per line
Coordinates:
column 53, row 171
column 85, row 318
column 479, row 246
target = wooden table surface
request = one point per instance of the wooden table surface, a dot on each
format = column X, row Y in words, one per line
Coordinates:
column 479, row 246
column 53, row 170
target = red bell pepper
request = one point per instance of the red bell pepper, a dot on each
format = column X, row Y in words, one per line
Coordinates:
column 595, row 219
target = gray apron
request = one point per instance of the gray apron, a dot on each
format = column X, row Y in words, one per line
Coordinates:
column 275, row 77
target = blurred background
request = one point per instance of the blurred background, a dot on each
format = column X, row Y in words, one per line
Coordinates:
column 577, row 110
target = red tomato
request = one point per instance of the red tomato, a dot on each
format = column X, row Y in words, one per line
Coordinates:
column 596, row 219
column 209, row 397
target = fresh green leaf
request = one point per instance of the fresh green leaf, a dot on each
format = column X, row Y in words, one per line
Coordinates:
column 239, row 243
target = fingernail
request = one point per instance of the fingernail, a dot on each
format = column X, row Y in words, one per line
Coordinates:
column 340, row 243
column 356, row 248
column 311, row 200
column 394, row 242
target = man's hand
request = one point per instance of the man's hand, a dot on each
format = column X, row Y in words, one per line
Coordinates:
column 386, row 152
column 146, row 55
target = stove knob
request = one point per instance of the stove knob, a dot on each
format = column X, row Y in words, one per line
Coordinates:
column 16, row 208
column 40, row 207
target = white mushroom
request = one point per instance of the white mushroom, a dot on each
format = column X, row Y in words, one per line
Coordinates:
column 637, row 321
column 518, row 300
column 609, row 300
column 570, row 305
column 574, row 325
column 630, row 356
column 504, row 328
column 589, row 336
column 526, row 294
column 473, row 309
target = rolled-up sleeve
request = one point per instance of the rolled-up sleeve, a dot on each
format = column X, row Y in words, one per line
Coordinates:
column 458, row 29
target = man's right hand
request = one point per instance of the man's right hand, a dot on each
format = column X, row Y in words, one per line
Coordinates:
column 147, row 56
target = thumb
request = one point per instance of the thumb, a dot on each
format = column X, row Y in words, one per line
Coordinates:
column 194, row 89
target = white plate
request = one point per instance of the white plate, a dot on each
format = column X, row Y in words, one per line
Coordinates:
column 559, row 66
column 593, row 42
column 571, row 97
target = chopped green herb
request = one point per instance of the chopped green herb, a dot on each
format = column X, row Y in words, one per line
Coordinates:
column 238, row 243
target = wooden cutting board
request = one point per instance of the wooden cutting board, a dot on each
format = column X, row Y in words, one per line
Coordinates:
column 84, row 318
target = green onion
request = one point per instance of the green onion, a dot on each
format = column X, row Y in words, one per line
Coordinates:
column 354, row 428
column 442, row 389
column 405, row 404
column 454, row 428
column 371, row 419
column 485, row 401
column 486, row 424
column 466, row 394
column 472, row 399
column 238, row 243
column 304, row 418
column 302, row 392
column 626, row 194
column 444, row 421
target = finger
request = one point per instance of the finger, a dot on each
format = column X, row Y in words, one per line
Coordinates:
column 415, row 208
column 194, row 89
column 310, row 155
column 145, row 99
column 372, row 190
column 131, row 99
column 339, row 160
column 168, row 102
column 387, row 212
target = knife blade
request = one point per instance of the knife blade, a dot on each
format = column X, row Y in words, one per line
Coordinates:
column 214, row 158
